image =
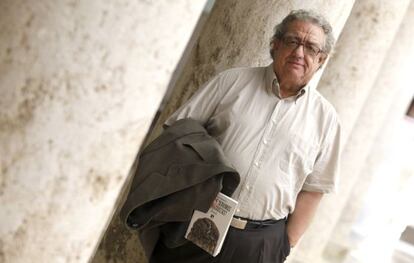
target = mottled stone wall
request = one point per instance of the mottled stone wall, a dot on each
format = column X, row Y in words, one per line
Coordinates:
column 79, row 84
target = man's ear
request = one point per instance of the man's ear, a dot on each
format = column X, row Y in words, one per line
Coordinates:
column 321, row 60
column 274, row 46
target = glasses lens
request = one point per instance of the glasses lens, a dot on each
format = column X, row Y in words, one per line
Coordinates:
column 312, row 49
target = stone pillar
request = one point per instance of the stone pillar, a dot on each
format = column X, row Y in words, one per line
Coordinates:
column 390, row 97
column 80, row 82
column 378, row 165
column 347, row 82
column 385, row 210
column 363, row 45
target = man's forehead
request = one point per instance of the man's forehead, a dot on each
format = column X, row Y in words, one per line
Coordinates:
column 309, row 38
column 308, row 29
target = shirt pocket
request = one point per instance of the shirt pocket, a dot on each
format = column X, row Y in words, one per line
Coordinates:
column 297, row 159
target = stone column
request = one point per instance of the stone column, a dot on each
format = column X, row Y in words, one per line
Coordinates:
column 382, row 112
column 80, row 82
column 348, row 82
column 344, row 239
column 360, row 51
column 385, row 210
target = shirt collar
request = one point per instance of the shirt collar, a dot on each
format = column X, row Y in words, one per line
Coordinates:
column 272, row 84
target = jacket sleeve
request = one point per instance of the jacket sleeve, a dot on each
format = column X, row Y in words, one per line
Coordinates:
column 202, row 104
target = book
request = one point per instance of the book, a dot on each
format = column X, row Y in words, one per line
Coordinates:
column 208, row 230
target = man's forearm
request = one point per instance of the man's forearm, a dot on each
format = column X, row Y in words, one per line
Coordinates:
column 299, row 220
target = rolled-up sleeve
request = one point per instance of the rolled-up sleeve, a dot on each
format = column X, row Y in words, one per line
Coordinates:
column 325, row 175
column 201, row 105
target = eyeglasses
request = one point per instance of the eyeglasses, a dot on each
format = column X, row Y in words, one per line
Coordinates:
column 309, row 48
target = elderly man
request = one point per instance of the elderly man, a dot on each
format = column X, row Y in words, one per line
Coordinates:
column 282, row 137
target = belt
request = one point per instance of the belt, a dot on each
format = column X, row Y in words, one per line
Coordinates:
column 244, row 223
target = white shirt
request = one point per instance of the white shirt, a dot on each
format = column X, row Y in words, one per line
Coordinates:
column 279, row 146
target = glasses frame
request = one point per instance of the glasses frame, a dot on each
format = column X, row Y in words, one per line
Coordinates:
column 307, row 50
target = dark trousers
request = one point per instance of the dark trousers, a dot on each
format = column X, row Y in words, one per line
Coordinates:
column 268, row 244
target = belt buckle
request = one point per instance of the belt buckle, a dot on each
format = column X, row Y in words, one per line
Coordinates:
column 238, row 223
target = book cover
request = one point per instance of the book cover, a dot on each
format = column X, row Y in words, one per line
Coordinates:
column 208, row 230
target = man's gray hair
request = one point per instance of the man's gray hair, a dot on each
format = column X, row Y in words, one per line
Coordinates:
column 306, row 15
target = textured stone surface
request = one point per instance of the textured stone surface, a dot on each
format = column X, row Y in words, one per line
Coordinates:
column 348, row 82
column 383, row 111
column 360, row 51
column 80, row 82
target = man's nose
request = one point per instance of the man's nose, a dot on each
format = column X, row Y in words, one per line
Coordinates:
column 299, row 50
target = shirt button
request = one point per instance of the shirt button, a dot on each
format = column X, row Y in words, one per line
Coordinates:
column 247, row 187
column 238, row 210
column 256, row 164
column 265, row 141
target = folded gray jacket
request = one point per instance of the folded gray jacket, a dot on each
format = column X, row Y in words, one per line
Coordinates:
column 180, row 171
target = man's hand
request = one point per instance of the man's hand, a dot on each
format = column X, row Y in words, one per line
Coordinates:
column 299, row 220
